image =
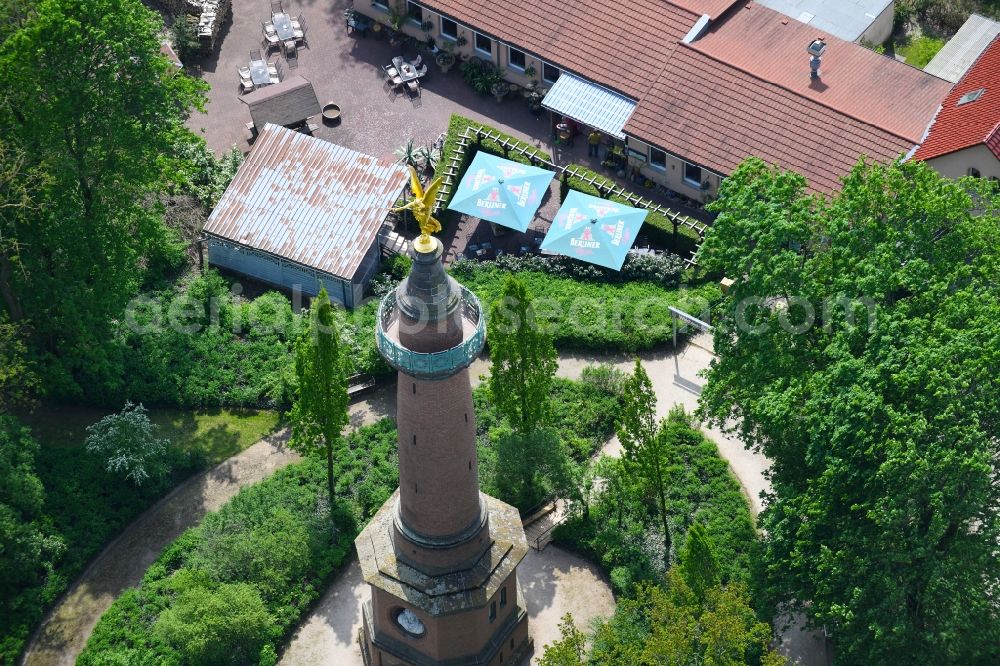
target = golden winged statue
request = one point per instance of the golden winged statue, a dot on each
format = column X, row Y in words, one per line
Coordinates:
column 421, row 207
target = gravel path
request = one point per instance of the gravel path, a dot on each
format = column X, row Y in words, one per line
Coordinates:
column 124, row 561
column 554, row 581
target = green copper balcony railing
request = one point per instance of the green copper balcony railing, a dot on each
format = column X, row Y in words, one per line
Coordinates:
column 438, row 365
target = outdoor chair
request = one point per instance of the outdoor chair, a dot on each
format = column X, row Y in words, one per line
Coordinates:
column 276, row 7
column 418, row 61
column 255, row 55
column 268, row 28
column 422, row 71
column 247, row 85
column 413, row 86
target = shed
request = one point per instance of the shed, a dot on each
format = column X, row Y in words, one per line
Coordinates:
column 957, row 56
column 302, row 213
column 288, row 103
column 868, row 20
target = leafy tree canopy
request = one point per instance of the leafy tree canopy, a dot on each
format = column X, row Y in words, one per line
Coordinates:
column 860, row 351
column 94, row 109
column 127, row 442
column 523, row 359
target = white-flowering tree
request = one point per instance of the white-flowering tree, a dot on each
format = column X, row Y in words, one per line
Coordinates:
column 127, row 442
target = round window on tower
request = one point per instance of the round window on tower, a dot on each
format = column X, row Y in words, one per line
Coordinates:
column 409, row 622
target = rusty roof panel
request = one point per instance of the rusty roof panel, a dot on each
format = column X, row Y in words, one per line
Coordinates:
column 307, row 200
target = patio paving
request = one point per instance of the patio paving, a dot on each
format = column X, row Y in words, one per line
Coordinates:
column 345, row 69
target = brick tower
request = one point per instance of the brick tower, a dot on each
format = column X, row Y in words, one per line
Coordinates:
column 441, row 558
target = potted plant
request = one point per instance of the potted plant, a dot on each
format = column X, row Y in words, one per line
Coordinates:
column 499, row 89
column 530, row 72
column 462, row 41
column 426, row 26
column 445, row 60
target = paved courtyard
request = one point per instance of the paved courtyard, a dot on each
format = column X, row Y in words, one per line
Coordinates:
column 346, row 69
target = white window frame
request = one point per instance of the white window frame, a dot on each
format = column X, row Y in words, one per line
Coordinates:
column 381, row 5
column 549, row 64
column 475, row 44
column 689, row 181
column 441, row 28
column 658, row 167
column 510, row 65
column 410, row 18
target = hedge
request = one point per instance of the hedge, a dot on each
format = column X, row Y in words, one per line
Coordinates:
column 659, row 229
column 264, row 558
column 456, row 128
column 594, row 315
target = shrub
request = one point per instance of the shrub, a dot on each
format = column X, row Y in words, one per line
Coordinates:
column 457, row 126
column 657, row 227
column 621, row 530
column 263, row 558
column 128, row 446
column 223, row 624
column 662, row 269
column 623, row 317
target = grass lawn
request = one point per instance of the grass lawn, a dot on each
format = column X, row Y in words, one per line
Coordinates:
column 87, row 507
column 918, row 52
column 215, row 433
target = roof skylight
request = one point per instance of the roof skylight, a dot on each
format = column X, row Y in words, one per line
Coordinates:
column 971, row 96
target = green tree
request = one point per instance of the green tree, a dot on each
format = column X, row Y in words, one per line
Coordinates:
column 319, row 413
column 528, row 467
column 27, row 547
column 669, row 624
column 127, row 442
column 18, row 381
column 647, row 447
column 90, row 103
column 859, row 352
column 222, row 624
column 699, row 566
column 569, row 650
column 523, row 359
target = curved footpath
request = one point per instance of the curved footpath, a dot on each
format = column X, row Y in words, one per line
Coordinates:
column 123, row 562
column 554, row 581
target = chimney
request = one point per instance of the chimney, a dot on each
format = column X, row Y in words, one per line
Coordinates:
column 815, row 49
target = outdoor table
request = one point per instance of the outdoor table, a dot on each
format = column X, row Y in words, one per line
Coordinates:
column 407, row 72
column 283, row 26
column 259, row 74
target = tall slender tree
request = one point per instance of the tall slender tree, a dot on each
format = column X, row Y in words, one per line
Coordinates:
column 860, row 351
column 647, row 446
column 320, row 411
column 523, row 359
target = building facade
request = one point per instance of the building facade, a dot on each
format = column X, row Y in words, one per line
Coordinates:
column 712, row 81
column 440, row 557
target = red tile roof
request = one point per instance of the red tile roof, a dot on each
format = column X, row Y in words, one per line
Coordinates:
column 714, row 8
column 958, row 127
column 854, row 80
column 741, row 89
column 727, row 115
column 619, row 45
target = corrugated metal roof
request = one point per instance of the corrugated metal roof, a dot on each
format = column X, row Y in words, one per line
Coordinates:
column 952, row 61
column 590, row 104
column 307, row 200
column 847, row 20
column 286, row 103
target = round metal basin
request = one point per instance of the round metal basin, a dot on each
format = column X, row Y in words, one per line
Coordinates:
column 331, row 113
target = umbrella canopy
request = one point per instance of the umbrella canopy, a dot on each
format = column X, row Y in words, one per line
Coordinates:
column 501, row 191
column 594, row 230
